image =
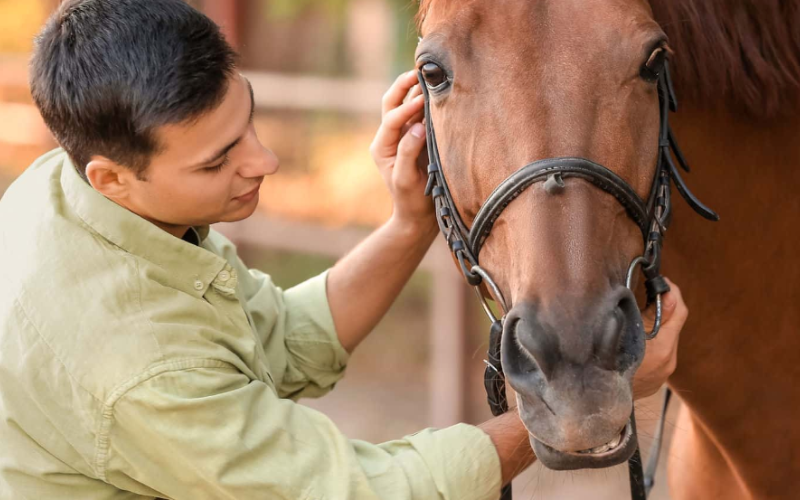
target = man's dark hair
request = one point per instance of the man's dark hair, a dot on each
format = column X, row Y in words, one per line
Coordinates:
column 106, row 73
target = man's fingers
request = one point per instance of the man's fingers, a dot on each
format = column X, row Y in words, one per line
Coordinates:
column 398, row 91
column 407, row 175
column 392, row 127
column 416, row 118
column 415, row 91
column 672, row 308
column 402, row 114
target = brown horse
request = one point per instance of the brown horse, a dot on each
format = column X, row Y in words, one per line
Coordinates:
column 514, row 81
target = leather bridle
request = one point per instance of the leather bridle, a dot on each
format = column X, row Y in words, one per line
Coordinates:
column 652, row 216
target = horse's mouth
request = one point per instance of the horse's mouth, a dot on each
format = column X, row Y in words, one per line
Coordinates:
column 615, row 452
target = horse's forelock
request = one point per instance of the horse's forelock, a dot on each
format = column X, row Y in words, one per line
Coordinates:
column 424, row 7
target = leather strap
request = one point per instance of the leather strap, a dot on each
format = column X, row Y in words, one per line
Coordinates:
column 494, row 379
column 655, row 448
column 635, row 473
column 538, row 171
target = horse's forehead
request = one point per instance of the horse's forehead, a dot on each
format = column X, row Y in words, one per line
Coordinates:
column 542, row 17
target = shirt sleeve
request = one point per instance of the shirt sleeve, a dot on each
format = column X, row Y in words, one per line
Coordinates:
column 295, row 327
column 209, row 432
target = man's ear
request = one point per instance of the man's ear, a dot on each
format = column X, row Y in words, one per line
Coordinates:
column 109, row 178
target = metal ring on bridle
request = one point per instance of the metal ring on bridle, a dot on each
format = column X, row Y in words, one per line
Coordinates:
column 629, row 283
column 498, row 295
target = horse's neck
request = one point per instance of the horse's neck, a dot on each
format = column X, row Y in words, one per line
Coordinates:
column 741, row 279
column 741, row 275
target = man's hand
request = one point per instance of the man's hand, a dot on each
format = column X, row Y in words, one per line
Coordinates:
column 661, row 354
column 363, row 285
column 398, row 150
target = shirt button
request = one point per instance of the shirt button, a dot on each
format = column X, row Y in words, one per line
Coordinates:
column 198, row 285
column 224, row 276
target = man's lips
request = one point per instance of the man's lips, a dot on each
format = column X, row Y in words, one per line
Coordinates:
column 248, row 194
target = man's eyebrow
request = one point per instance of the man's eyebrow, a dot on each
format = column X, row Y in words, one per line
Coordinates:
column 219, row 154
column 222, row 152
column 252, row 100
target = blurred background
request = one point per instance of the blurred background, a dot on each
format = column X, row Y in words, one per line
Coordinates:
column 319, row 69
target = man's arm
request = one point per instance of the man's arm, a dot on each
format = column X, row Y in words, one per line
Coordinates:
column 363, row 285
column 200, row 429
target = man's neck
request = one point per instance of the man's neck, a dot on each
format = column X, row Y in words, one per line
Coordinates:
column 176, row 231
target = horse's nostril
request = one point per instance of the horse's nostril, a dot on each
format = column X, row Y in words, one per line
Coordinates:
column 619, row 343
column 529, row 348
column 610, row 339
column 630, row 346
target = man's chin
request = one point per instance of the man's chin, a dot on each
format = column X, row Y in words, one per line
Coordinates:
column 240, row 213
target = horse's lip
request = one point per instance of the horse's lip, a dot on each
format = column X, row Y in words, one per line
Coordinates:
column 625, row 435
column 571, row 460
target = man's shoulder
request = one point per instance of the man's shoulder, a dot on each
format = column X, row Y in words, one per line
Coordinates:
column 70, row 296
column 79, row 309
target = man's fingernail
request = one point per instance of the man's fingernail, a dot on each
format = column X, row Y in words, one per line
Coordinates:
column 418, row 131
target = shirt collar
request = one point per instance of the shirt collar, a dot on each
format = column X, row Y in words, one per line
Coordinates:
column 191, row 267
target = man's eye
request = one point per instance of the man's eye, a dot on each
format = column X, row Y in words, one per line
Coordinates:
column 219, row 167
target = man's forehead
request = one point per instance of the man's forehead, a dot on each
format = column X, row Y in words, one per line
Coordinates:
column 193, row 141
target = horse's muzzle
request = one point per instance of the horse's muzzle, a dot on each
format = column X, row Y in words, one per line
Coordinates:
column 571, row 366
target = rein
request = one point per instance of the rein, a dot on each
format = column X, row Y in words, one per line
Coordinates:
column 652, row 216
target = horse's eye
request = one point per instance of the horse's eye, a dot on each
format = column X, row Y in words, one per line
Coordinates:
column 434, row 75
column 652, row 69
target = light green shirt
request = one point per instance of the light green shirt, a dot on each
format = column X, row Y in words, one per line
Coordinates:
column 137, row 365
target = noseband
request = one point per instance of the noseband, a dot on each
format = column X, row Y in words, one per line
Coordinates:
column 652, row 216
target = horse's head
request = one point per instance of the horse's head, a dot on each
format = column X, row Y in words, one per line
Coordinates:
column 517, row 81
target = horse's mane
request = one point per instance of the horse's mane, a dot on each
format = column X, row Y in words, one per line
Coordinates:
column 743, row 54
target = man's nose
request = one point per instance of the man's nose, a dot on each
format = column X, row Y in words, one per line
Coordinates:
column 260, row 161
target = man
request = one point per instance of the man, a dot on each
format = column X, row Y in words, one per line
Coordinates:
column 139, row 357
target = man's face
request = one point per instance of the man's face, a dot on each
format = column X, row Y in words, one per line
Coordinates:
column 209, row 170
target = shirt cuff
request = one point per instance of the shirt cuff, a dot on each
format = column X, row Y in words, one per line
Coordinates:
column 462, row 461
